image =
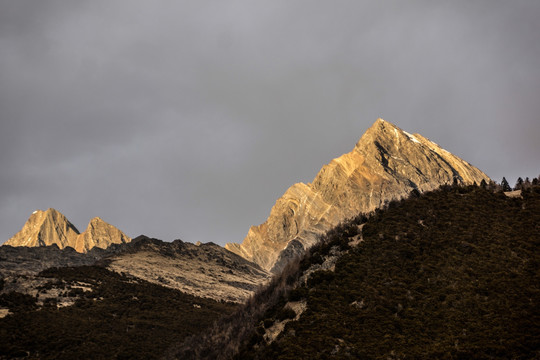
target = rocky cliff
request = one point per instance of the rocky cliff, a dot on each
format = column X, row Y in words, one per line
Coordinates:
column 387, row 163
column 50, row 227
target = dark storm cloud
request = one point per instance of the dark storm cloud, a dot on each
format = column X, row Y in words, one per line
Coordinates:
column 189, row 119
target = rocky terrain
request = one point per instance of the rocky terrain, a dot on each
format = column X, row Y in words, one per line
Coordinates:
column 205, row 270
column 20, row 266
column 91, row 312
column 50, row 227
column 387, row 163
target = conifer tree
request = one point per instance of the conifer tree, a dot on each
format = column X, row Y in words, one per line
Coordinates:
column 505, row 185
column 527, row 183
column 519, row 184
column 483, row 184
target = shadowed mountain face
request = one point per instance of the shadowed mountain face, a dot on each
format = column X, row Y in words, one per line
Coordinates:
column 50, row 227
column 387, row 163
column 28, row 261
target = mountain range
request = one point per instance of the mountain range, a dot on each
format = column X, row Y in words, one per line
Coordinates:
column 396, row 201
column 387, row 163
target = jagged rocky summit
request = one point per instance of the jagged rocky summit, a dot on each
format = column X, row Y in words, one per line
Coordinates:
column 387, row 163
column 50, row 227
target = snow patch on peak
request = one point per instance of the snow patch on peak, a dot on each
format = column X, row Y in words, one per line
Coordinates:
column 412, row 137
column 35, row 212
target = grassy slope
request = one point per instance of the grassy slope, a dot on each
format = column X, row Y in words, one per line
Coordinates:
column 452, row 274
column 120, row 319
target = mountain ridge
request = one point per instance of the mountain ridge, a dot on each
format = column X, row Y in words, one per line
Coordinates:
column 206, row 270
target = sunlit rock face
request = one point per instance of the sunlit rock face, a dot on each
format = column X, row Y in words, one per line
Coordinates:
column 99, row 234
column 387, row 163
column 45, row 228
column 49, row 227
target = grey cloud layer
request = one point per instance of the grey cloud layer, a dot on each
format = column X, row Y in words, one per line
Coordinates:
column 189, row 119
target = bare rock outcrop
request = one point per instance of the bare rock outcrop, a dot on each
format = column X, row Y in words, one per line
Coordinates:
column 45, row 228
column 50, row 227
column 387, row 163
column 99, row 234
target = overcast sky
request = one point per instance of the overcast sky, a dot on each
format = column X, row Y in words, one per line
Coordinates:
column 188, row 120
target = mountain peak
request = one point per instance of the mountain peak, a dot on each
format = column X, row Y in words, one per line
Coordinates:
column 100, row 234
column 45, row 228
column 387, row 163
column 96, row 220
column 51, row 227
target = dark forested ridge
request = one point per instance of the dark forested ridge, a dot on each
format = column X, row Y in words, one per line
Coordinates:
column 451, row 274
column 114, row 317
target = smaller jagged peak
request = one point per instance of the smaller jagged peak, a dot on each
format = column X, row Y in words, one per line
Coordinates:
column 100, row 233
column 97, row 220
column 98, row 224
